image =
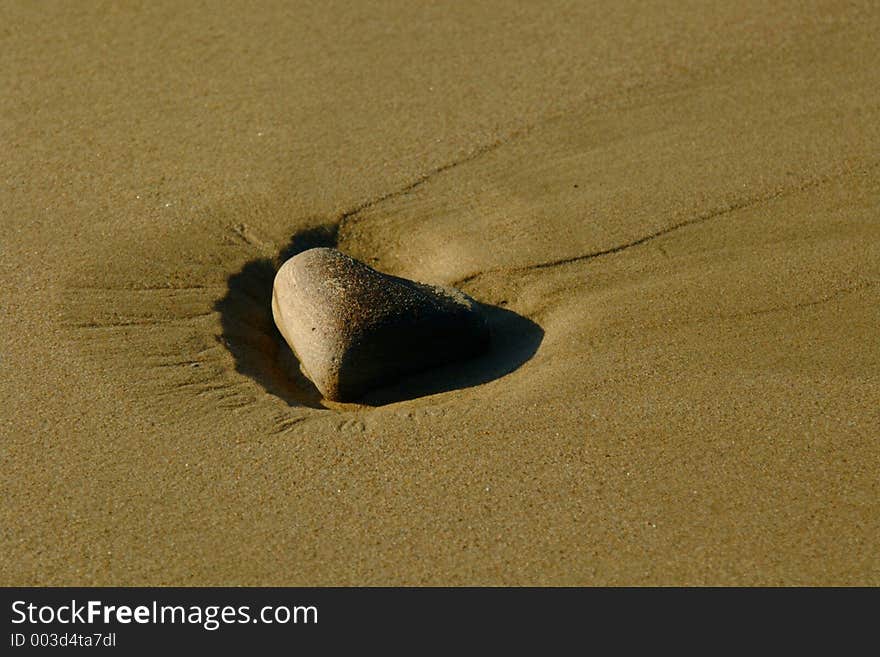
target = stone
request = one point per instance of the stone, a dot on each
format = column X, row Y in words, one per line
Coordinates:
column 354, row 329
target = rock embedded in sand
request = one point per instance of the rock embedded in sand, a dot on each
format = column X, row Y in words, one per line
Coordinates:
column 354, row 328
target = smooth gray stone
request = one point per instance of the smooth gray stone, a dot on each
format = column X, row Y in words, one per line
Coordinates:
column 354, row 328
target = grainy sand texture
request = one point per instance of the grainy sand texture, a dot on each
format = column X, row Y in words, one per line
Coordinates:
column 671, row 212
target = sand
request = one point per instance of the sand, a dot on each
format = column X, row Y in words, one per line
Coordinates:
column 674, row 210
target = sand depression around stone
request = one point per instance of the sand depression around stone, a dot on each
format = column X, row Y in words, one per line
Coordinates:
column 354, row 328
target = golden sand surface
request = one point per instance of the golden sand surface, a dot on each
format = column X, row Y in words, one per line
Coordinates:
column 674, row 207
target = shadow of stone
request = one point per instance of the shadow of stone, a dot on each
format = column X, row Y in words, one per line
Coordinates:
column 513, row 340
column 310, row 238
column 249, row 331
column 260, row 352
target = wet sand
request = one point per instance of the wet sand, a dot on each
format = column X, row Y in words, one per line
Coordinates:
column 671, row 214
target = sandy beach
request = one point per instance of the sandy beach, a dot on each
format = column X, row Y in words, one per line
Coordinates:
column 670, row 211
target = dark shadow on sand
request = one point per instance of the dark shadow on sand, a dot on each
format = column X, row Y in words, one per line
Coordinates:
column 250, row 334
column 249, row 331
column 513, row 340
